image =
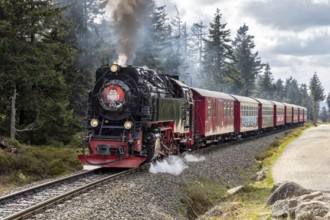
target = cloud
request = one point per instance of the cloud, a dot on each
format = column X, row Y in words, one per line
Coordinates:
column 318, row 44
column 294, row 15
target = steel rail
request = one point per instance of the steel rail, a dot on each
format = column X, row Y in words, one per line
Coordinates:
column 40, row 206
column 44, row 185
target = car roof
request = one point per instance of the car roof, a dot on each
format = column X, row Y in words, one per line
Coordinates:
column 289, row 105
column 213, row 94
column 278, row 103
column 264, row 101
column 244, row 99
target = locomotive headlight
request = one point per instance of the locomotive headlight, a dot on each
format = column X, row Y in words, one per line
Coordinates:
column 128, row 125
column 114, row 68
column 94, row 122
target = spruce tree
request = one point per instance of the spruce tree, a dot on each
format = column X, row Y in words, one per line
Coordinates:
column 197, row 35
column 328, row 104
column 292, row 92
column 305, row 100
column 279, row 91
column 324, row 115
column 317, row 94
column 217, row 54
column 156, row 32
column 265, row 84
column 91, row 39
column 34, row 57
column 245, row 61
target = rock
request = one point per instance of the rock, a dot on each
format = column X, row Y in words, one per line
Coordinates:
column 276, row 185
column 261, row 175
column 327, row 216
column 215, row 211
column 311, row 196
column 280, row 209
column 312, row 209
column 287, row 190
column 235, row 190
column 7, row 147
column 292, row 201
column 284, row 208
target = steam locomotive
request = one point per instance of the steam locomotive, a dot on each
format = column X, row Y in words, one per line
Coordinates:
column 136, row 115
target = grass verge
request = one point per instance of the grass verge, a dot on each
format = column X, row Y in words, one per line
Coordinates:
column 250, row 203
column 35, row 163
column 252, row 199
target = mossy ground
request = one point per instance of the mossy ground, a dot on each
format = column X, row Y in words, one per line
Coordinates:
column 250, row 203
column 33, row 163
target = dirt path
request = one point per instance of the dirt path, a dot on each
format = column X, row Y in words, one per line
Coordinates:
column 306, row 161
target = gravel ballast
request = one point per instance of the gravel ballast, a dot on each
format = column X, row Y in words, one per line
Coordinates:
column 146, row 195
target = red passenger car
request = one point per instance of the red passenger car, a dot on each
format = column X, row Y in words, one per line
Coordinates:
column 304, row 114
column 213, row 114
column 295, row 117
column 265, row 114
column 279, row 114
column 288, row 110
column 246, row 114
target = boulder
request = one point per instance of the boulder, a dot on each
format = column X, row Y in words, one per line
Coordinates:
column 235, row 190
column 7, row 147
column 312, row 209
column 287, row 190
column 284, row 208
column 261, row 175
column 216, row 211
column 291, row 201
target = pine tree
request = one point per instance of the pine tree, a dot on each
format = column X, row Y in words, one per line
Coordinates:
column 324, row 115
column 217, row 54
column 279, row 91
column 305, row 100
column 85, row 27
column 155, row 40
column 245, row 61
column 328, row 103
column 317, row 94
column 174, row 53
column 197, row 35
column 34, row 57
column 265, row 84
column 292, row 92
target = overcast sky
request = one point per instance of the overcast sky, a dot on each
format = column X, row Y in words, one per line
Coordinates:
column 293, row 36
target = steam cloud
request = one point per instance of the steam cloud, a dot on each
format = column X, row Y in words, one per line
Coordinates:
column 174, row 165
column 127, row 17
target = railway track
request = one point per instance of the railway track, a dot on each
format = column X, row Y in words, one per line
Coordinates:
column 27, row 202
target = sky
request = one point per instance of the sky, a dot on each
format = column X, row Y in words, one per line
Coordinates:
column 293, row 36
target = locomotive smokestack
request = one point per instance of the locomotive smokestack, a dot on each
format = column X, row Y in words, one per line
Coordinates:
column 127, row 18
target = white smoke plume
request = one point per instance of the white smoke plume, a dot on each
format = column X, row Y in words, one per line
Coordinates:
column 127, row 18
column 193, row 158
column 174, row 165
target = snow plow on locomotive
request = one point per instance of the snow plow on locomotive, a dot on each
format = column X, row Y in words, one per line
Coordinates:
column 135, row 115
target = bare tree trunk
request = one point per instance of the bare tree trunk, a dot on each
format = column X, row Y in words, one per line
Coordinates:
column 13, row 116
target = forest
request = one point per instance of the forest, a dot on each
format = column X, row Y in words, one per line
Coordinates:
column 50, row 49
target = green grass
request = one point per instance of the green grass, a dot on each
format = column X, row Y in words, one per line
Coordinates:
column 33, row 163
column 201, row 195
column 250, row 203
